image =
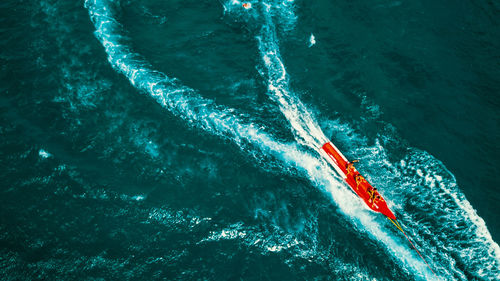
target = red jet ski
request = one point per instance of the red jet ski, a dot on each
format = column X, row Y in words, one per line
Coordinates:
column 373, row 199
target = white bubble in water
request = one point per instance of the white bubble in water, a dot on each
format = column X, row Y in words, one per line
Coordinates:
column 312, row 40
column 44, row 154
column 138, row 197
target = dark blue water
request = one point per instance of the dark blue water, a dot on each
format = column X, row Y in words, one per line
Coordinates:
column 158, row 140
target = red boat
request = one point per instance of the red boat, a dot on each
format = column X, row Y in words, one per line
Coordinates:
column 373, row 199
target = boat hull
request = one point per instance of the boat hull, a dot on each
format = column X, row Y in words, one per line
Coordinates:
column 372, row 198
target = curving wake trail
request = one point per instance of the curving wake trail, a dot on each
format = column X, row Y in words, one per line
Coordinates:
column 185, row 103
column 179, row 99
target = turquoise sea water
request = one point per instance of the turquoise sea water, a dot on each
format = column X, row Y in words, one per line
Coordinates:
column 159, row 140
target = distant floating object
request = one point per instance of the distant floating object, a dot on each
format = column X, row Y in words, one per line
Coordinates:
column 247, row 5
column 138, row 197
column 312, row 40
column 44, row 154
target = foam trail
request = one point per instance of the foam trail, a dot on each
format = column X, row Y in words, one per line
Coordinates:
column 181, row 100
column 305, row 128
